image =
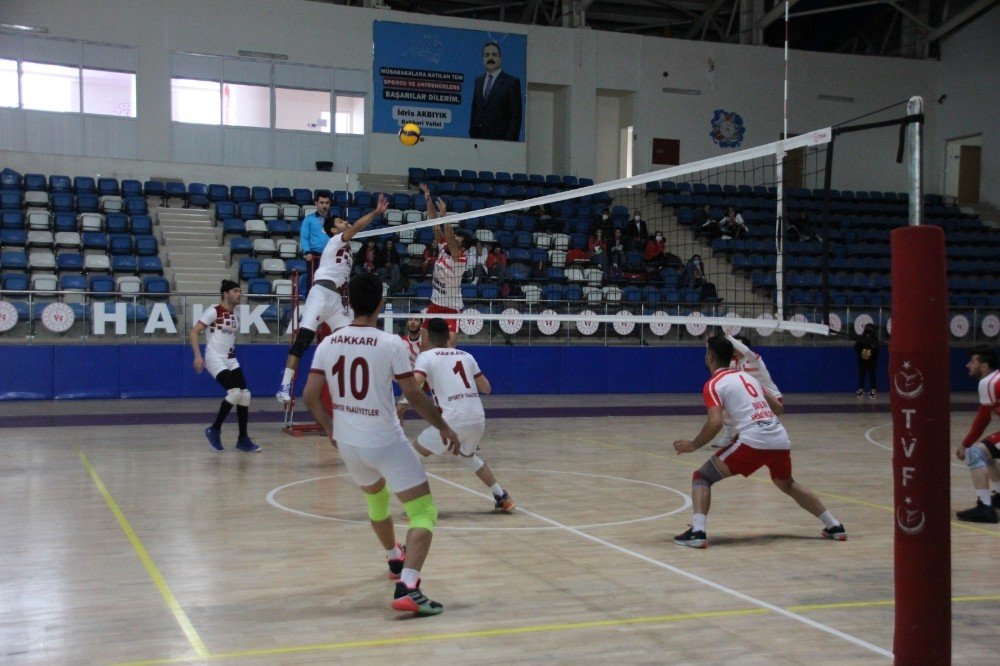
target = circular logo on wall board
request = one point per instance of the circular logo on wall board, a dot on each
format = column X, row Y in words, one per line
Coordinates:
column 731, row 329
column 991, row 325
column 513, row 322
column 470, row 326
column 835, row 323
column 959, row 326
column 548, row 326
column 765, row 330
column 8, row 316
column 587, row 326
column 862, row 321
column 657, row 327
column 625, row 325
column 57, row 317
column 799, row 319
column 695, row 327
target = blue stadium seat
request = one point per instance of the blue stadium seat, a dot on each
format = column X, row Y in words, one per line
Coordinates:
column 142, row 225
column 11, row 180
column 155, row 285
column 63, row 202
column 299, row 265
column 260, row 194
column 239, row 245
column 218, row 193
column 87, row 203
column 197, row 195
column 69, row 262
column 553, row 292
column 154, row 188
column 247, row 210
column 13, row 237
column 15, row 282
column 94, row 240
column 13, row 260
column 224, row 209
column 119, row 244
column 132, row 188
column 249, row 268
column 258, row 286
column 489, row 291
column 84, row 185
column 123, row 263
column 302, row 196
column 282, row 195
column 175, row 190
column 116, row 223
column 35, row 182
column 149, row 264
column 12, row 219
column 108, row 187
column 11, row 200
column 101, row 284
column 146, row 246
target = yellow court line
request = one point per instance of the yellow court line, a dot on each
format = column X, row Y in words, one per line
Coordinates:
column 531, row 629
column 182, row 619
column 842, row 498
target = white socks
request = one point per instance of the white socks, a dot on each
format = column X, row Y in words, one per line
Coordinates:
column 287, row 377
column 828, row 519
column 410, row 578
column 497, row 490
column 394, row 553
column 698, row 521
column 984, row 497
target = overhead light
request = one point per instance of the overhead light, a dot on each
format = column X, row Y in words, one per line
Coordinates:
column 263, row 56
column 23, row 28
column 682, row 91
column 835, row 98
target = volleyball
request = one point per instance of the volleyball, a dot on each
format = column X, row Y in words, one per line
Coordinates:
column 409, row 134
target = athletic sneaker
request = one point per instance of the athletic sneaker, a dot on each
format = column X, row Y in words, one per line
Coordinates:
column 980, row 513
column 214, row 437
column 837, row 533
column 692, row 539
column 871, row 394
column 503, row 503
column 284, row 394
column 860, row 393
column 396, row 566
column 246, row 444
column 412, row 600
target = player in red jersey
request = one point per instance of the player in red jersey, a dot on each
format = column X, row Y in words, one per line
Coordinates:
column 981, row 454
column 735, row 398
column 411, row 336
column 449, row 267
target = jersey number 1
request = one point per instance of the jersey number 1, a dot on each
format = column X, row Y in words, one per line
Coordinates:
column 459, row 370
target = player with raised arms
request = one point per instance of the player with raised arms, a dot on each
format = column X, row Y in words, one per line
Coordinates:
column 446, row 278
column 735, row 398
column 357, row 365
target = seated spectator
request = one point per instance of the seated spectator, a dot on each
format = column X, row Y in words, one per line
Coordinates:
column 496, row 264
column 672, row 261
column 800, row 228
column 694, row 273
column 652, row 254
column 636, row 232
column 387, row 264
column 475, row 256
column 617, row 249
column 597, row 248
column 545, row 221
column 603, row 222
column 364, row 262
column 705, row 224
column 732, row 225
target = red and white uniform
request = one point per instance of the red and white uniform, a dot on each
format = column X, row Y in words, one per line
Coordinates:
column 447, row 279
column 412, row 346
column 451, row 374
column 324, row 304
column 360, row 364
column 745, row 410
column 221, row 327
column 754, row 364
column 989, row 404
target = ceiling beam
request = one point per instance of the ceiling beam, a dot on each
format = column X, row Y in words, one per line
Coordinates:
column 776, row 12
column 702, row 21
column 958, row 20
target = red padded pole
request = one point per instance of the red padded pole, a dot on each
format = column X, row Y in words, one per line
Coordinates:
column 921, row 450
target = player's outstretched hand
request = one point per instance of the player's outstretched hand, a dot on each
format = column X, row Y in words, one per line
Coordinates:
column 684, row 446
column 383, row 205
column 442, row 207
column 450, row 439
column 960, row 452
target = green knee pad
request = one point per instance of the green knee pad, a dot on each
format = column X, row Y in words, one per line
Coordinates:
column 378, row 504
column 421, row 512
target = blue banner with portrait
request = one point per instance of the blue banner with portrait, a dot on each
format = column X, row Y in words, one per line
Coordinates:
column 450, row 82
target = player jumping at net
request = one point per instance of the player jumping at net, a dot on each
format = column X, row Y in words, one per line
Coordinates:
column 735, row 397
column 221, row 324
column 446, row 278
column 457, row 382
column 411, row 336
column 327, row 300
column 981, row 454
column 747, row 360
column 357, row 365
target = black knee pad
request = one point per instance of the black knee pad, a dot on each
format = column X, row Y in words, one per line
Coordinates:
column 228, row 380
column 302, row 342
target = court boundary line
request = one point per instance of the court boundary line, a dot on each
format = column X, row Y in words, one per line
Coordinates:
column 692, row 576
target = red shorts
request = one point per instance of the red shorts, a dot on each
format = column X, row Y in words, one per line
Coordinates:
column 744, row 460
column 434, row 309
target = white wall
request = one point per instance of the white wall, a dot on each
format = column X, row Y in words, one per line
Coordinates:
column 970, row 77
column 572, row 64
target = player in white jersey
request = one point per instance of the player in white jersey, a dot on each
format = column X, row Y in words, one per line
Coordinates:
column 357, row 365
column 457, row 382
column 735, row 398
column 981, row 453
column 449, row 267
column 411, row 337
column 221, row 324
column 326, row 301
column 747, row 360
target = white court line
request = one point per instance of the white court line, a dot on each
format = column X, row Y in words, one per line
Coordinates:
column 871, row 440
column 681, row 572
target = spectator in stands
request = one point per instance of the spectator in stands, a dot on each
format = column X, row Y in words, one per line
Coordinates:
column 475, row 262
column 617, row 249
column 800, row 228
column 543, row 219
column 636, row 233
column 312, row 238
column 672, row 261
column 598, row 249
column 604, row 222
column 704, row 223
column 365, row 261
column 653, row 253
column 496, row 264
column 387, row 265
column 866, row 349
column 496, row 100
column 732, row 225
column 694, row 273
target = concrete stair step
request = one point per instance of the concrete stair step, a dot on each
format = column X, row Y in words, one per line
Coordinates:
column 191, row 244
column 197, row 262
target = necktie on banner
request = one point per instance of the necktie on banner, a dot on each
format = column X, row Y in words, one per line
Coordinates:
column 488, row 86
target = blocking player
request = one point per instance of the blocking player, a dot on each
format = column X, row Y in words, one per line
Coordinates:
column 446, row 278
column 750, row 361
column 327, row 301
column 411, row 336
column 221, row 325
column 735, row 397
column 981, row 454
column 357, row 365
column 457, row 382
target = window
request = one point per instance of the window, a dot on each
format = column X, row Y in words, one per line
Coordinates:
column 50, row 87
column 194, row 101
column 307, row 110
column 246, row 106
column 8, row 83
column 350, row 117
column 109, row 93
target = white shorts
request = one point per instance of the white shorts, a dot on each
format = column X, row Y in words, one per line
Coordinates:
column 470, row 434
column 398, row 463
column 216, row 364
column 324, row 305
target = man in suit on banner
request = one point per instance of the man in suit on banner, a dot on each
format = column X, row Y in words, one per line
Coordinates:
column 496, row 100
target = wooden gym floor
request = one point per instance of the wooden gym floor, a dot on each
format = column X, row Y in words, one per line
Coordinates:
column 124, row 539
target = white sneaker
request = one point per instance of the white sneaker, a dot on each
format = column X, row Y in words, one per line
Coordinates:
column 284, row 394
